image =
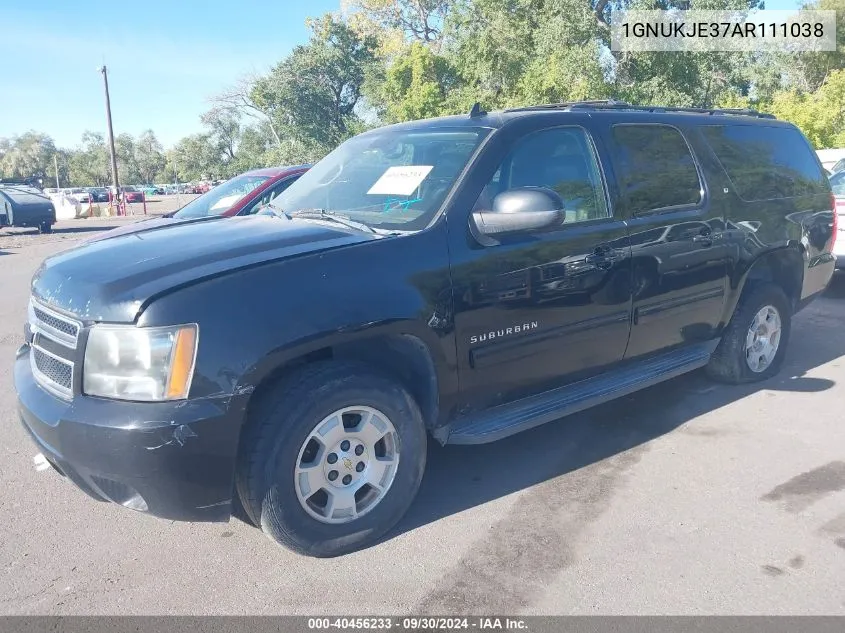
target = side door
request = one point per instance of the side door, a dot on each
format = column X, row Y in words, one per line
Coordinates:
column 678, row 251
column 539, row 309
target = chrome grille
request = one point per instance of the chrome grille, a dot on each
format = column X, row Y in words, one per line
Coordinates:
column 53, row 368
column 65, row 327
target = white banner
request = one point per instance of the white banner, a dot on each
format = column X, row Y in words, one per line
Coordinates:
column 699, row 31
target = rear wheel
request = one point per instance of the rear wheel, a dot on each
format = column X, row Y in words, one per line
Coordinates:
column 753, row 345
column 331, row 459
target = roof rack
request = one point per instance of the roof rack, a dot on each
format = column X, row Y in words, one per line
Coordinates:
column 611, row 104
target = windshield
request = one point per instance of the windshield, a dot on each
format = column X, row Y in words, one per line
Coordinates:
column 394, row 179
column 222, row 198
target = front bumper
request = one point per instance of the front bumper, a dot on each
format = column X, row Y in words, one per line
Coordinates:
column 174, row 460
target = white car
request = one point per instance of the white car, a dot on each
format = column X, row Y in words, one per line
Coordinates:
column 81, row 195
column 837, row 184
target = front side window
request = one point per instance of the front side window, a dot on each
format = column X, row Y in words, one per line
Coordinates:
column 269, row 194
column 387, row 179
column 766, row 163
column 561, row 159
column 656, row 169
column 222, row 198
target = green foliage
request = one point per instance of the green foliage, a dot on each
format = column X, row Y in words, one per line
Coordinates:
column 417, row 84
column 89, row 163
column 30, row 154
column 311, row 95
column 819, row 114
column 149, row 156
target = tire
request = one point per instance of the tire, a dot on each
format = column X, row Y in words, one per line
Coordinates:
column 45, row 227
column 729, row 362
column 276, row 438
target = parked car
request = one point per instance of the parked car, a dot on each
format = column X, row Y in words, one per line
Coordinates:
column 132, row 194
column 831, row 157
column 152, row 190
column 81, row 195
column 242, row 195
column 302, row 358
column 837, row 184
column 200, row 188
column 22, row 205
column 99, row 194
column 838, row 167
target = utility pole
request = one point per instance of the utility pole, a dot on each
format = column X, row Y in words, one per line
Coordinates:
column 56, row 165
column 111, row 131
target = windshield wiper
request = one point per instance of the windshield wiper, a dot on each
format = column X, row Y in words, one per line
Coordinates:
column 322, row 214
column 276, row 212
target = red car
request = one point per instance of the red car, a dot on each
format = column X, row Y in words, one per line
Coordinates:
column 202, row 187
column 241, row 195
column 130, row 194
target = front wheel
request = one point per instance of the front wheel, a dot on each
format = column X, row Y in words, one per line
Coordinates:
column 753, row 345
column 45, row 227
column 332, row 459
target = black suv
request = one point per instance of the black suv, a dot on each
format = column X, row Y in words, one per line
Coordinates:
column 463, row 278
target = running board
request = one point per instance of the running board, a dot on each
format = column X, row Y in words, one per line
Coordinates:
column 508, row 419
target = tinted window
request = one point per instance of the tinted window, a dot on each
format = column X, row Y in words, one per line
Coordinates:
column 561, row 159
column 656, row 168
column 766, row 162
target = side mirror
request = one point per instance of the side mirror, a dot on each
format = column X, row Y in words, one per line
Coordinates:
column 520, row 210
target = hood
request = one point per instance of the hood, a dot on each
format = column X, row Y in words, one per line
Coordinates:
column 112, row 279
column 135, row 227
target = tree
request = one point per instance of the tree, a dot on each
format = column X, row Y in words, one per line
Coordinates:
column 127, row 162
column 89, row 164
column 310, row 96
column 149, row 155
column 393, row 22
column 808, row 71
column 416, row 85
column 194, row 157
column 819, row 114
column 28, row 155
column 223, row 125
column 240, row 98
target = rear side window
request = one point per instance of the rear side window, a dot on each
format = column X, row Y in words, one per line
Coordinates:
column 766, row 163
column 656, row 169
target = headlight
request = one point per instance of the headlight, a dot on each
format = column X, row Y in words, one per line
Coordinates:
column 132, row 363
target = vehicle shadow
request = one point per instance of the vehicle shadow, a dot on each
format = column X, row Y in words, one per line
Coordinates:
column 461, row 477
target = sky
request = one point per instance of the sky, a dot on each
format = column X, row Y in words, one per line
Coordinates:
column 166, row 60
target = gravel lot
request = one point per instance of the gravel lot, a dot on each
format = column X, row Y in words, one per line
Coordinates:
column 687, row 498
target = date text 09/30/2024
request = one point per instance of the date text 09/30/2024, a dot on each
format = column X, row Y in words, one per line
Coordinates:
column 409, row 623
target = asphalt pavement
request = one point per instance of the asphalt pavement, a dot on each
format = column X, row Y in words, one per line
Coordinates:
column 686, row 498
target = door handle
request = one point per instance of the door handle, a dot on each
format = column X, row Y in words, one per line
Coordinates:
column 601, row 258
column 703, row 240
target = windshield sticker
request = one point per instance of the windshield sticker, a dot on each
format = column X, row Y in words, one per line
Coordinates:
column 401, row 180
column 395, row 204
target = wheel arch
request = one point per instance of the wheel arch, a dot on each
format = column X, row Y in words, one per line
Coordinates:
column 783, row 267
column 401, row 352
